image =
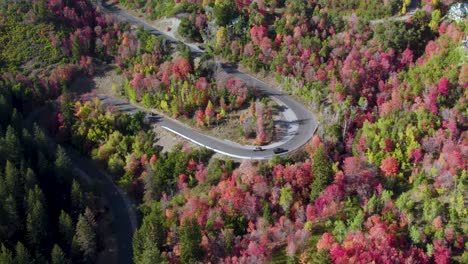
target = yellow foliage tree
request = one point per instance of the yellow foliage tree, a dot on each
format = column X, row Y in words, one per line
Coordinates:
column 221, row 37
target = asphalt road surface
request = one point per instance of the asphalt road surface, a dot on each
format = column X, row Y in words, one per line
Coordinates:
column 301, row 123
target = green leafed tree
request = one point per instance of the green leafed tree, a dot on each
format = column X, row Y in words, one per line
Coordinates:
column 322, row 171
column 286, row 198
column 320, row 257
column 40, row 9
column 266, row 213
column 224, row 11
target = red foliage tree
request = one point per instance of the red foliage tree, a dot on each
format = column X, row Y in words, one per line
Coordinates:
column 237, row 87
column 192, row 165
column 200, row 117
column 153, row 159
column 265, row 46
column 326, row 242
column 257, row 33
column 389, row 166
column 377, row 244
column 200, row 175
column 441, row 253
column 359, row 177
column 406, row 57
column 182, row 182
column 202, row 84
column 181, row 68
column 443, row 86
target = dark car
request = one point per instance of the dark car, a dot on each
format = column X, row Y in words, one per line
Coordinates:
column 279, row 150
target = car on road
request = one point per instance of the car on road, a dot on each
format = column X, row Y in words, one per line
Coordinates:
column 279, row 150
column 258, row 149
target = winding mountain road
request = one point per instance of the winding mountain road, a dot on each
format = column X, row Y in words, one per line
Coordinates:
column 300, row 122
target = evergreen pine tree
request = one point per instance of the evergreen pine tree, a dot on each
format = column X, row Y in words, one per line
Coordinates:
column 40, row 138
column 4, row 230
column 10, row 218
column 322, row 171
column 67, row 109
column 66, row 230
column 16, row 120
column 86, row 238
column 75, row 48
column 77, row 198
column 190, row 239
column 33, row 195
column 63, row 165
column 22, row 255
column 5, row 255
column 27, row 142
column 89, row 215
column 42, row 164
column 153, row 230
column 11, row 181
column 36, row 218
column 266, row 213
column 75, row 252
column 5, row 107
column 150, row 255
column 11, row 145
column 57, row 256
column 29, row 180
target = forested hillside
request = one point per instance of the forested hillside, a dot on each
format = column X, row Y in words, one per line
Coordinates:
column 44, row 210
column 382, row 180
column 46, row 214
